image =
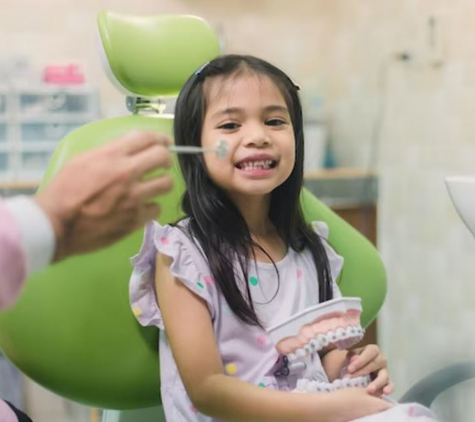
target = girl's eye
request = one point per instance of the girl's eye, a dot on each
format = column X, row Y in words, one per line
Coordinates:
column 229, row 126
column 275, row 122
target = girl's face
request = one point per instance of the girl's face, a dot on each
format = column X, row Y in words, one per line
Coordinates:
column 250, row 113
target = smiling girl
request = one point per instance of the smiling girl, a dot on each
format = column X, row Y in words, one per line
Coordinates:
column 243, row 260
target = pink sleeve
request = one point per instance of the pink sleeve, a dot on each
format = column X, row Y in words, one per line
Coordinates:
column 12, row 258
column 7, row 414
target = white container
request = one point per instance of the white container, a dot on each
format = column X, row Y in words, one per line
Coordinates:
column 316, row 138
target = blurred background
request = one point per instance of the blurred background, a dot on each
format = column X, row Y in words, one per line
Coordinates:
column 388, row 89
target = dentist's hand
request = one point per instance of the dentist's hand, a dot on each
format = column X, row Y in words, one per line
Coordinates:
column 100, row 196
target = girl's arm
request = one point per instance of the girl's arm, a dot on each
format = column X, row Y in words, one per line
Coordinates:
column 190, row 332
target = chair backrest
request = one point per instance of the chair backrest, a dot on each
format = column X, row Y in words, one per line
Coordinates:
column 73, row 330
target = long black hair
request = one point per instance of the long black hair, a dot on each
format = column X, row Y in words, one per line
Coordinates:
column 214, row 221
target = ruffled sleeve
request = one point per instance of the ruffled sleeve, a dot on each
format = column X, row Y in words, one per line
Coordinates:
column 188, row 266
column 335, row 260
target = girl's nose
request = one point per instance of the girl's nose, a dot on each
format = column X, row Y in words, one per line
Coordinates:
column 257, row 139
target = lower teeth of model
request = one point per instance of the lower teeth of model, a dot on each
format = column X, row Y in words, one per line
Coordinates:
column 305, row 385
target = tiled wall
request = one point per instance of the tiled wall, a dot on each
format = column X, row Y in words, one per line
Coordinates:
column 413, row 122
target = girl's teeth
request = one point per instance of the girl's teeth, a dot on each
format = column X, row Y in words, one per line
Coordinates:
column 264, row 165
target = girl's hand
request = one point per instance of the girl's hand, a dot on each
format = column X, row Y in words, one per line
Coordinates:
column 356, row 403
column 368, row 360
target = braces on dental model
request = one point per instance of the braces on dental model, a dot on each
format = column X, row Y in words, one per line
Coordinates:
column 335, row 322
column 308, row 386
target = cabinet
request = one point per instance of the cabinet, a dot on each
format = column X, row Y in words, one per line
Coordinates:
column 34, row 119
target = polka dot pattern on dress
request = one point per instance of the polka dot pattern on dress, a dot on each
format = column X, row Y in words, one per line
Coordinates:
column 253, row 280
column 231, row 369
column 261, row 339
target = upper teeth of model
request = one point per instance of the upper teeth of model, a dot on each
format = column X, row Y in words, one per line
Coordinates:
column 322, row 340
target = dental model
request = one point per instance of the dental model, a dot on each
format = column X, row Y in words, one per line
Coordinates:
column 221, row 149
column 334, row 322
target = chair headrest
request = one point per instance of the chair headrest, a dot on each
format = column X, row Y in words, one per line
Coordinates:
column 153, row 56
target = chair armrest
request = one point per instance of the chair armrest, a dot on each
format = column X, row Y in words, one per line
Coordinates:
column 429, row 388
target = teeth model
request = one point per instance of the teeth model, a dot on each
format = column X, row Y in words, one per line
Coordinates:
column 335, row 322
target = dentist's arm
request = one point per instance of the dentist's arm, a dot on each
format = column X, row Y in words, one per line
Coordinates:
column 97, row 198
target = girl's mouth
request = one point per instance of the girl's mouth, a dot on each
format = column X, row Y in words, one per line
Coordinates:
column 251, row 165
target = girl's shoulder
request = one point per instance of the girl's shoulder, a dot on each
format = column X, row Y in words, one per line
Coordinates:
column 335, row 260
column 188, row 265
column 321, row 228
column 168, row 239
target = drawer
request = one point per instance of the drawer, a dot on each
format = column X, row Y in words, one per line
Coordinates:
column 57, row 102
column 45, row 132
column 35, row 160
column 5, row 162
column 3, row 103
column 344, row 191
column 3, row 132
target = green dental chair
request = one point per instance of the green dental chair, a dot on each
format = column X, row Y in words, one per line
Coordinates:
column 73, row 331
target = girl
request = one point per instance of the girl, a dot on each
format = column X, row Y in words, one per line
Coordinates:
column 243, row 260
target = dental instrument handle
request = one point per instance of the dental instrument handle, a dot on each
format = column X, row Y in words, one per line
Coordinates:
column 188, row 149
